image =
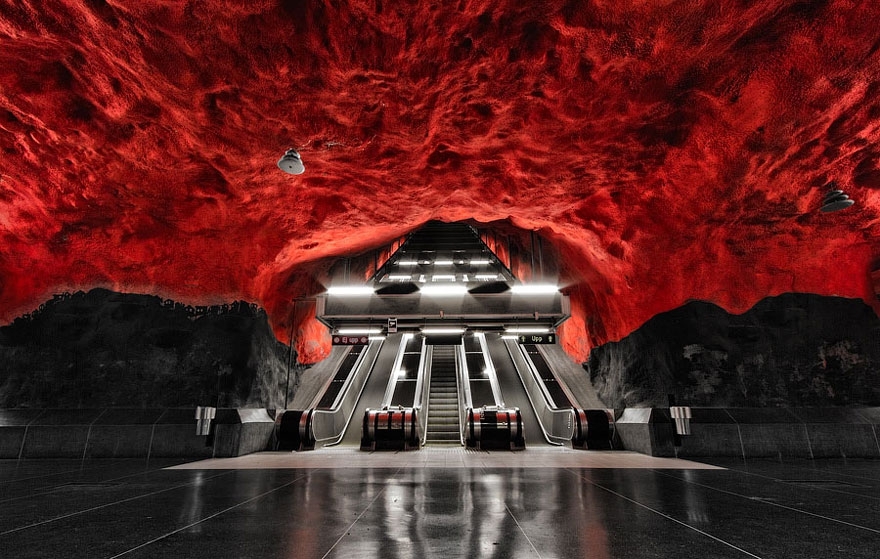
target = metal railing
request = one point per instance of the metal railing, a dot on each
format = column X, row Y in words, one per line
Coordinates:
column 328, row 426
column 557, row 424
column 423, row 391
column 464, row 392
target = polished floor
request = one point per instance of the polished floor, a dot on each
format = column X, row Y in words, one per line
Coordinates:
column 460, row 504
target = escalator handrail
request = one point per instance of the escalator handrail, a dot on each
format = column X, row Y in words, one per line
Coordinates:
column 464, row 392
column 423, row 392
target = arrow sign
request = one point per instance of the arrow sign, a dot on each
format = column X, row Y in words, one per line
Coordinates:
column 537, row 338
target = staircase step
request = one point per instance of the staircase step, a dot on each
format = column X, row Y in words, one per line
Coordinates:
column 452, row 437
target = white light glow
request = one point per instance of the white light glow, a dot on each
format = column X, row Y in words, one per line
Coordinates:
column 359, row 331
column 485, row 276
column 480, row 262
column 399, row 277
column 444, row 290
column 442, row 330
column 408, row 263
column 527, row 329
column 376, row 338
column 443, row 277
column 350, row 290
column 534, row 289
column 443, row 262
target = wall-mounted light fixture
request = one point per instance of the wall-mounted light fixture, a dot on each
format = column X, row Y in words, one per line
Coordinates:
column 291, row 163
column 534, row 289
column 526, row 330
column 353, row 290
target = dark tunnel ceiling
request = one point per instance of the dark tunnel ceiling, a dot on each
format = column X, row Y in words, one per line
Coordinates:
column 669, row 150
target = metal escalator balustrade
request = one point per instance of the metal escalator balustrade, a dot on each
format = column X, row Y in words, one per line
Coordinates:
column 296, row 428
column 592, row 429
column 443, row 423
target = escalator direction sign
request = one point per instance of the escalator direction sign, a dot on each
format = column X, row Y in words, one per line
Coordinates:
column 537, row 338
column 350, row 340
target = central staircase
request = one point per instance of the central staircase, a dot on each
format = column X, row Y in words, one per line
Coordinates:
column 443, row 425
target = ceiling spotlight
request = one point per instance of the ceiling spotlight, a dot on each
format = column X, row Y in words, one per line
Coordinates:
column 835, row 200
column 291, row 162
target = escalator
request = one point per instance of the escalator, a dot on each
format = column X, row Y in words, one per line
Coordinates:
column 562, row 413
column 513, row 391
column 443, row 413
column 374, row 390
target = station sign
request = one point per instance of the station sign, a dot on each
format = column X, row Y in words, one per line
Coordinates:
column 392, row 325
column 350, row 340
column 537, row 338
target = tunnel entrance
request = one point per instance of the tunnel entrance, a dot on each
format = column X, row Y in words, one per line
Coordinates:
column 439, row 328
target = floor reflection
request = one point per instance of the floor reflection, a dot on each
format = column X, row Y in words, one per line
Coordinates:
column 446, row 513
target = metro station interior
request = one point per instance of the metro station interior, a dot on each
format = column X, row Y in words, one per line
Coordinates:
column 474, row 279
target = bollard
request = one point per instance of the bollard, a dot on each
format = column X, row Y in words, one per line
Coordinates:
column 682, row 417
column 494, row 428
column 390, row 429
column 204, row 416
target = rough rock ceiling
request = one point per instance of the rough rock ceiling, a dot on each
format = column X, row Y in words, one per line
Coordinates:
column 670, row 150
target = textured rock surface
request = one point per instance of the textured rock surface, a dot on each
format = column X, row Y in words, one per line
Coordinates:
column 791, row 350
column 663, row 147
column 105, row 349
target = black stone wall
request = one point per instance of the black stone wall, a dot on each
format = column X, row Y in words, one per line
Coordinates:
column 107, row 349
column 791, row 350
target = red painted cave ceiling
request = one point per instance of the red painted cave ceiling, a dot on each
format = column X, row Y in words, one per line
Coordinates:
column 669, row 151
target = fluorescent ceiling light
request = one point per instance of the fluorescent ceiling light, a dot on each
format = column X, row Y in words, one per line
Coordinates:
column 399, row 277
column 485, row 276
column 443, row 262
column 527, row 329
column 408, row 263
column 354, row 331
column 534, row 289
column 442, row 330
column 456, row 289
column 443, row 277
column 350, row 290
column 480, row 262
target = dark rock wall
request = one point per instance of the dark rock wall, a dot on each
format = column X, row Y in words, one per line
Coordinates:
column 789, row 350
column 105, row 349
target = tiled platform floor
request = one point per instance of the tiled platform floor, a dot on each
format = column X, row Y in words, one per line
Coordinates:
column 450, row 457
column 127, row 508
